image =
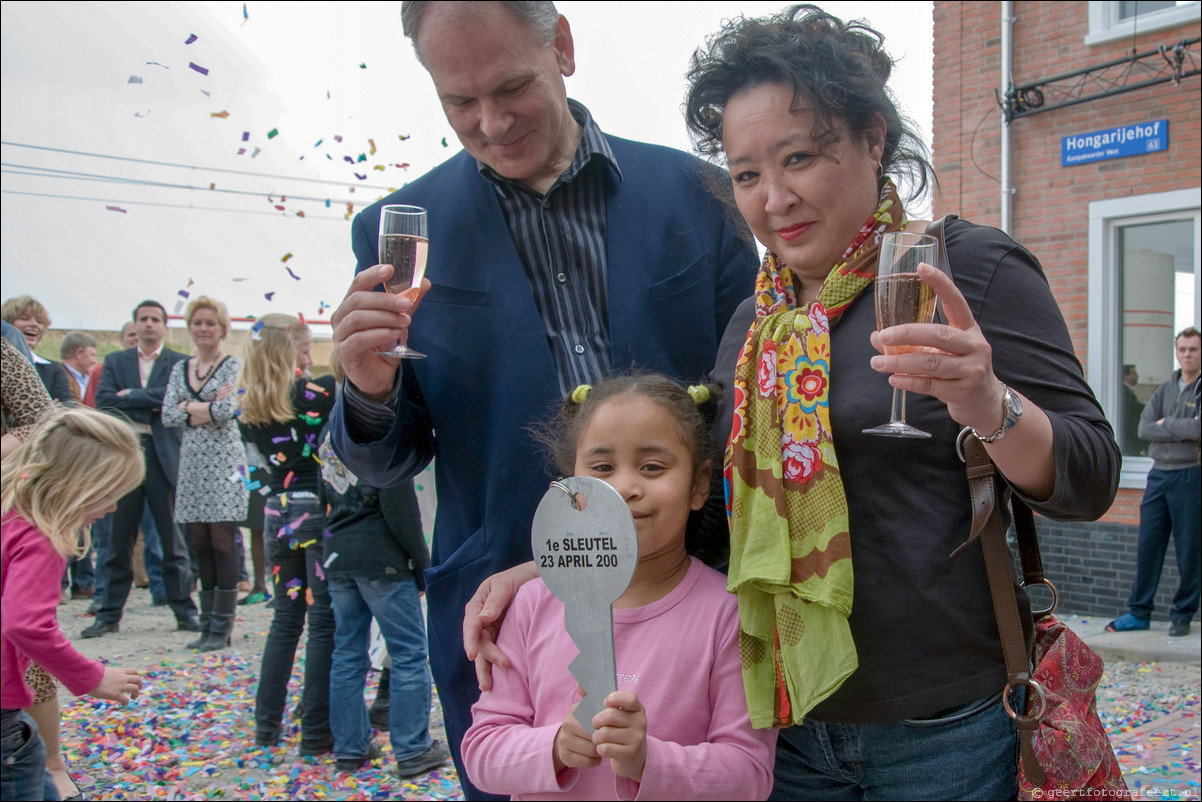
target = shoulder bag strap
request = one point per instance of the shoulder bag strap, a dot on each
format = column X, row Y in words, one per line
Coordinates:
column 983, row 487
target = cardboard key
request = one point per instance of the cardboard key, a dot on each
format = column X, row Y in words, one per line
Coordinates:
column 586, row 548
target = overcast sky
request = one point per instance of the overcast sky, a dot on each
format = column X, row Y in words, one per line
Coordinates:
column 76, row 77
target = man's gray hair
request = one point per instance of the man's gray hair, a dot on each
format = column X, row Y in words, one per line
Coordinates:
column 73, row 342
column 540, row 16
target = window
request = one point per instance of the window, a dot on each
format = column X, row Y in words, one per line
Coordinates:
column 1121, row 20
column 1144, row 269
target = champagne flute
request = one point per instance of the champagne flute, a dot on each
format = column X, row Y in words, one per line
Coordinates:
column 404, row 245
column 902, row 297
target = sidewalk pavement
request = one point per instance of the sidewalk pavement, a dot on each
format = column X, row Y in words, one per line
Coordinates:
column 1144, row 646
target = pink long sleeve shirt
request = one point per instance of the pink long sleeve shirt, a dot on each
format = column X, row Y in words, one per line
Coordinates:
column 680, row 655
column 30, row 571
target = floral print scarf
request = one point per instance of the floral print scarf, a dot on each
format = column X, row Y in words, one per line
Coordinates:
column 790, row 556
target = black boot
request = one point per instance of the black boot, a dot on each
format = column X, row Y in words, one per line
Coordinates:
column 221, row 620
column 377, row 714
column 206, row 613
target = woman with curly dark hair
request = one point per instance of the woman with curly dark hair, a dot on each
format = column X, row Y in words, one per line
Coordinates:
column 886, row 684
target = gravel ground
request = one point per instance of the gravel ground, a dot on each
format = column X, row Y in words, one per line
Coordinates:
column 189, row 735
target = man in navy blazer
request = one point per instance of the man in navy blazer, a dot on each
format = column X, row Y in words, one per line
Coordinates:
column 132, row 384
column 507, row 217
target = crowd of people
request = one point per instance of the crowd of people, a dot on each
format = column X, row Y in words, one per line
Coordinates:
column 580, row 281
column 212, row 432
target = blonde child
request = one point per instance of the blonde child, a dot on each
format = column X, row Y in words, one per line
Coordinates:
column 71, row 471
column 677, row 727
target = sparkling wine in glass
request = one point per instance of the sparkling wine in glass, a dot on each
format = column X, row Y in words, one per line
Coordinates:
column 902, row 297
column 404, row 245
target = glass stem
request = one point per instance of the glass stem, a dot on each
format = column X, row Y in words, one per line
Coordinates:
column 899, row 406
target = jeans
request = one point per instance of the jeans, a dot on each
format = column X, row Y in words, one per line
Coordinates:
column 1171, row 505
column 100, row 547
column 79, row 573
column 152, row 556
column 969, row 752
column 396, row 606
column 23, row 772
column 292, row 541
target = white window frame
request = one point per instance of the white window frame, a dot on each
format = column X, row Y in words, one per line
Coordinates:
column 1105, row 323
column 1105, row 25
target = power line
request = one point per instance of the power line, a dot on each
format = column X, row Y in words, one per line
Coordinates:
column 74, row 175
column 166, row 205
column 189, row 166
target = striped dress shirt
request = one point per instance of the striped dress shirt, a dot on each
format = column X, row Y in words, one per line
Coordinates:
column 560, row 237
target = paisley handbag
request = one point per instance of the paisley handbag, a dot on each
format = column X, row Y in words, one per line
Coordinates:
column 1064, row 751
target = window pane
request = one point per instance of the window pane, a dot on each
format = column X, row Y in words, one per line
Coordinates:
column 1157, row 276
column 1129, row 8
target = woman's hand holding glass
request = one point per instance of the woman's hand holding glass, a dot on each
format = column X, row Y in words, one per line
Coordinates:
column 953, row 362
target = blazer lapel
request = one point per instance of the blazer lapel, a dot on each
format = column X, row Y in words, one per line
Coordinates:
column 161, row 370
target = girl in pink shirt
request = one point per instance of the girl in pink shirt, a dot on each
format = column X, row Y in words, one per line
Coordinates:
column 677, row 727
column 70, row 472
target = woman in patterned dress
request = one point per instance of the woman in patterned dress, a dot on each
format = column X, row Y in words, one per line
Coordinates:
column 210, row 497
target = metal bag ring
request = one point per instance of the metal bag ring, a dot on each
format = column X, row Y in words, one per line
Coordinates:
column 1051, row 608
column 1033, row 685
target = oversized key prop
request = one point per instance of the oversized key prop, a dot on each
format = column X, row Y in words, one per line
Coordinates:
column 586, row 548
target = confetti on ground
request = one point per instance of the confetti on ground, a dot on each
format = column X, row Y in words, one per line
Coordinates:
column 198, row 68
column 222, row 114
column 190, row 735
column 191, row 38
column 273, row 133
column 289, row 269
column 116, row 209
column 134, row 79
column 1154, row 727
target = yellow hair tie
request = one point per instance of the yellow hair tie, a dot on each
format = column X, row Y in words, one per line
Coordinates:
column 580, row 394
column 699, row 393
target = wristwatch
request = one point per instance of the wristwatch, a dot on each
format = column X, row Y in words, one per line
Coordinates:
column 1012, row 410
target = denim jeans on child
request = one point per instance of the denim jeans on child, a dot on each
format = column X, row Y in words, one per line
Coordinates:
column 396, row 606
column 970, row 752
column 292, row 541
column 23, row 772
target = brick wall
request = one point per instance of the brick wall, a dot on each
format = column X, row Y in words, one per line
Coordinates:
column 1093, row 566
column 1092, row 563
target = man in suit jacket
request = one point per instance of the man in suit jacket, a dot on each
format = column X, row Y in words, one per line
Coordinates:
column 133, row 383
column 559, row 255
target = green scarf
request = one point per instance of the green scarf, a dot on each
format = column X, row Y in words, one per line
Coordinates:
column 790, row 549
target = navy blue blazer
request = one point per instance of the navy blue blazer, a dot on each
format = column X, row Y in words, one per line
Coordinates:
column 677, row 270
column 143, row 404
